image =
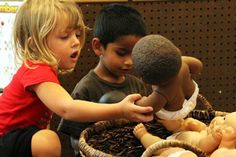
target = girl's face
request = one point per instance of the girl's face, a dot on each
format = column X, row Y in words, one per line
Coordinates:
column 65, row 44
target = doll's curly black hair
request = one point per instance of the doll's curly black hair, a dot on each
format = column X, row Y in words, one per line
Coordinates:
column 156, row 59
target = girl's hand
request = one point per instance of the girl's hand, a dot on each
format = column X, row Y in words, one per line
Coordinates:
column 133, row 112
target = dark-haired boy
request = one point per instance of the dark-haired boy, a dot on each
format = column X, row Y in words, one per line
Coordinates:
column 117, row 29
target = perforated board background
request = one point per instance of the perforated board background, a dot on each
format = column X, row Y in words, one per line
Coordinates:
column 205, row 29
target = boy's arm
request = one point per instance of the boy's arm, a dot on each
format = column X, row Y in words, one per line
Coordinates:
column 195, row 65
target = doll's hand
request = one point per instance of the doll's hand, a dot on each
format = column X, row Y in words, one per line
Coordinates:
column 133, row 112
column 216, row 132
column 228, row 137
column 228, row 133
column 192, row 124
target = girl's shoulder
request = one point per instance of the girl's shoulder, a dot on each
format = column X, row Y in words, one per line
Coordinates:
column 37, row 71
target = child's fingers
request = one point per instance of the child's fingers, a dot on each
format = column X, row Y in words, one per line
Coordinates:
column 143, row 110
column 139, row 109
column 143, row 114
column 144, row 117
column 138, row 113
column 134, row 97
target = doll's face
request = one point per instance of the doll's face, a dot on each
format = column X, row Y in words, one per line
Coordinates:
column 228, row 120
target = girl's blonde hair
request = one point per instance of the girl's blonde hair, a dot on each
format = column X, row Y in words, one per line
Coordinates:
column 35, row 19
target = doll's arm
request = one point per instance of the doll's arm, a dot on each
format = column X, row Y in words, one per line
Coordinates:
column 192, row 124
column 210, row 139
column 154, row 100
column 188, row 124
column 144, row 136
column 147, row 139
column 195, row 65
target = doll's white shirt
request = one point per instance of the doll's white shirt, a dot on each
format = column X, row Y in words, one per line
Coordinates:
column 188, row 106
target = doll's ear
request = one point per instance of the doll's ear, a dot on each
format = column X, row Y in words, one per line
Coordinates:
column 31, row 43
column 97, row 47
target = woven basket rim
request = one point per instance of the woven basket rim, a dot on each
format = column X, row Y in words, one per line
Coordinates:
column 172, row 143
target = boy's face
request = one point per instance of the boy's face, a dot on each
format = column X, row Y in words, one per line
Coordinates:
column 116, row 58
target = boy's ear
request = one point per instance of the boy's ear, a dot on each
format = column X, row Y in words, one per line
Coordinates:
column 31, row 43
column 97, row 46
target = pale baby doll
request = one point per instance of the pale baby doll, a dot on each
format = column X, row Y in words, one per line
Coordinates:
column 160, row 63
column 189, row 130
column 221, row 132
column 148, row 139
column 227, row 145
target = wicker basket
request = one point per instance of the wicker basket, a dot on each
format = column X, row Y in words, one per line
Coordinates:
column 88, row 150
column 171, row 143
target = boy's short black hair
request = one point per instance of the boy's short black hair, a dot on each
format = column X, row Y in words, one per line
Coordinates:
column 156, row 59
column 116, row 20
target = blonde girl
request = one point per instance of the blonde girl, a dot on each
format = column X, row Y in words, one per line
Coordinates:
column 48, row 37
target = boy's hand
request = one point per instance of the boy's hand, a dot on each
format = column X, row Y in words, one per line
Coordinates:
column 133, row 112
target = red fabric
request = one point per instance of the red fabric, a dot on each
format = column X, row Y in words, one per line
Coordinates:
column 20, row 107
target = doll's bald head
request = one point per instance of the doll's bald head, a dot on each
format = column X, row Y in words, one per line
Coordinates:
column 156, row 59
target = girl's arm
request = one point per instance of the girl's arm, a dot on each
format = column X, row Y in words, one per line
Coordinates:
column 59, row 101
column 195, row 65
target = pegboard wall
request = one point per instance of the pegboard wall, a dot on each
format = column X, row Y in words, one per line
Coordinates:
column 205, row 29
